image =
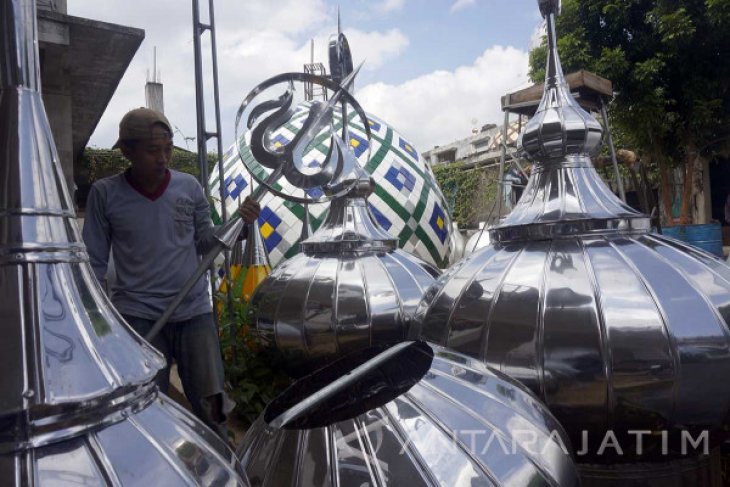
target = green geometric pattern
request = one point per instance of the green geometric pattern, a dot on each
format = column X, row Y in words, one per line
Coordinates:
column 407, row 201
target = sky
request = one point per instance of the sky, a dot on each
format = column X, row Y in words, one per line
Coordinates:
column 434, row 69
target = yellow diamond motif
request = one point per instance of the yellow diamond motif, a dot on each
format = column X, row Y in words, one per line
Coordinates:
column 354, row 142
column 277, row 144
column 266, row 230
column 409, row 148
column 439, row 223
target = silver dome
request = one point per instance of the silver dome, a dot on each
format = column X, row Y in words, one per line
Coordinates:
column 349, row 288
column 77, row 399
column 414, row 414
column 612, row 327
column 477, row 241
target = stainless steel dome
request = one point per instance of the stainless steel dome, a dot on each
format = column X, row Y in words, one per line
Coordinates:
column 477, row 241
column 349, row 288
column 78, row 404
column 415, row 414
column 614, row 328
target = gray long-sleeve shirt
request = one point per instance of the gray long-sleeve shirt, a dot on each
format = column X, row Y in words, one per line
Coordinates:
column 156, row 241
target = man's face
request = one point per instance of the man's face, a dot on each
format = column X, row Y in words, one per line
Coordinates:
column 150, row 157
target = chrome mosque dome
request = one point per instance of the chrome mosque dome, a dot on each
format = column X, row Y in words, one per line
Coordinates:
column 415, row 414
column 477, row 241
column 78, row 403
column 349, row 288
column 612, row 327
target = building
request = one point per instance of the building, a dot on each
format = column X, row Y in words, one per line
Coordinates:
column 82, row 62
column 476, row 148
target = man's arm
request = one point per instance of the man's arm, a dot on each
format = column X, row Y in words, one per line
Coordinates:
column 204, row 229
column 97, row 232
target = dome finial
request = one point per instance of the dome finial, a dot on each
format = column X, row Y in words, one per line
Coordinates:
column 548, row 7
column 560, row 126
column 565, row 195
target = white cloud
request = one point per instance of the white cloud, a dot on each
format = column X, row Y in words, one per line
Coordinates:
column 254, row 42
column 390, row 5
column 461, row 4
column 438, row 107
column 538, row 33
column 376, row 47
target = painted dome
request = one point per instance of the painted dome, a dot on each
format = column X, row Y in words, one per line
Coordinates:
column 407, row 201
column 414, row 414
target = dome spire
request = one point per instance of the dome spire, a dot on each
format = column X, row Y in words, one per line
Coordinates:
column 565, row 196
column 560, row 126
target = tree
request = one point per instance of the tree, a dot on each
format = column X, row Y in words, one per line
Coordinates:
column 669, row 61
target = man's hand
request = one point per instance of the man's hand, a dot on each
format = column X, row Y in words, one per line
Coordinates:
column 249, row 210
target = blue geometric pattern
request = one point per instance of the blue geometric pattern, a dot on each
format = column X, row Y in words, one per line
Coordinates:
column 314, row 192
column 408, row 148
column 280, row 140
column 403, row 201
column 268, row 221
column 234, row 186
column 401, row 177
column 384, row 222
column 438, row 223
column 358, row 144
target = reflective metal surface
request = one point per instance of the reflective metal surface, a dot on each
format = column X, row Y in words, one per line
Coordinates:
column 349, row 288
column 458, row 243
column 611, row 332
column 254, row 253
column 77, row 399
column 414, row 415
column 271, row 161
column 615, row 329
column 477, row 241
column 564, row 195
column 340, row 56
column 158, row 445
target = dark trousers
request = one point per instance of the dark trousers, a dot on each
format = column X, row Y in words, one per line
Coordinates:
column 194, row 345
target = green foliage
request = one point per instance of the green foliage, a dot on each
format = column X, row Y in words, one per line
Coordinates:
column 470, row 193
column 668, row 63
column 101, row 163
column 253, row 372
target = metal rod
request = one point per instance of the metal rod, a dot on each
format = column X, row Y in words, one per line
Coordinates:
column 221, row 186
column 200, row 118
column 205, row 264
column 612, row 150
column 207, row 261
column 503, row 157
column 216, row 101
column 199, row 100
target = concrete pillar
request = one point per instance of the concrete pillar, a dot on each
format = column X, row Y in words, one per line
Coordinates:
column 154, row 96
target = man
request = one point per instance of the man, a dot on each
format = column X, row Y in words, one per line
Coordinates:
column 157, row 223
